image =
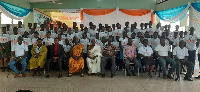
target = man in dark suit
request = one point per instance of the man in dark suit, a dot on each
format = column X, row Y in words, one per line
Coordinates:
column 56, row 54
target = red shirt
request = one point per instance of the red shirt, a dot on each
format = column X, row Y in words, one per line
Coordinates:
column 56, row 49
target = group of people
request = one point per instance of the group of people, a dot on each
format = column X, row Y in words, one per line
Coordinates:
column 91, row 48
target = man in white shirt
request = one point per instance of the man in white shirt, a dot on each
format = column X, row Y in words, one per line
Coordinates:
column 162, row 51
column 180, row 54
column 103, row 33
column 36, row 36
column 155, row 40
column 97, row 40
column 85, row 41
column 5, row 44
column 190, row 45
column 19, row 53
column 29, row 27
column 14, row 37
column 150, row 29
column 124, row 39
column 21, row 30
column 146, row 54
column 93, row 32
column 8, row 30
column 48, row 41
column 70, row 35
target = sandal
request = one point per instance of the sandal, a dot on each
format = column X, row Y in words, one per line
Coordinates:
column 82, row 75
column 69, row 75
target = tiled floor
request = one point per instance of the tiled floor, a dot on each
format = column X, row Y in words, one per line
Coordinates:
column 120, row 83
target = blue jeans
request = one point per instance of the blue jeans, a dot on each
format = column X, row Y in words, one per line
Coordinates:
column 13, row 62
column 163, row 62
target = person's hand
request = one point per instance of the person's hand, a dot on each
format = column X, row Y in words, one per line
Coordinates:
column 55, row 58
column 134, row 58
column 95, row 57
column 182, row 61
column 129, row 58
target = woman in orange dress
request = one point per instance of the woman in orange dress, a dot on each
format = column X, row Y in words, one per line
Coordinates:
column 76, row 61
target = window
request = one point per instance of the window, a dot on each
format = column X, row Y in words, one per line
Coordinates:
column 173, row 25
column 6, row 20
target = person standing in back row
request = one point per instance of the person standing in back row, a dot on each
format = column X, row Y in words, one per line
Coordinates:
column 191, row 46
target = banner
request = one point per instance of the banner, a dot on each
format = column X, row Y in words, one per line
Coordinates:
column 67, row 16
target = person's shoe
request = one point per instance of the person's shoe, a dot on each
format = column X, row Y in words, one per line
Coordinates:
column 39, row 74
column 82, row 75
column 47, row 76
column 164, row 77
column 23, row 75
column 168, row 76
column 189, row 79
column 134, row 74
column 198, row 77
column 16, row 75
column 111, row 75
column 3, row 70
column 177, row 79
column 69, row 75
column 103, row 75
column 60, row 75
column 150, row 75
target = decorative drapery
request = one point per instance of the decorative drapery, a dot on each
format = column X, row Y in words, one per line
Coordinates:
column 174, row 14
column 14, row 11
column 194, row 17
column 96, row 12
column 116, row 17
column 134, row 12
column 196, row 6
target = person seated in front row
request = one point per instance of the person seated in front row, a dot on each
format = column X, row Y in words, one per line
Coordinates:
column 94, row 58
column 130, row 55
column 180, row 54
column 56, row 54
column 162, row 51
column 146, row 54
column 109, row 51
column 19, row 53
column 39, row 53
column 76, row 61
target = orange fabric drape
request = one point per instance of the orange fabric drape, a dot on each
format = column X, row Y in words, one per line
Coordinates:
column 96, row 12
column 152, row 18
column 139, row 12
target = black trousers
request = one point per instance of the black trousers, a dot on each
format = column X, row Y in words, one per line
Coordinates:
column 85, row 62
column 49, row 64
column 118, row 60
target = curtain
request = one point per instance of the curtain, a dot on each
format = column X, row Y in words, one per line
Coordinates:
column 13, row 11
column 134, row 12
column 174, row 14
column 196, row 6
column 115, row 17
column 194, row 17
column 96, row 12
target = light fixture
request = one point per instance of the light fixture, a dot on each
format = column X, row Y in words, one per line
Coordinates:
column 59, row 3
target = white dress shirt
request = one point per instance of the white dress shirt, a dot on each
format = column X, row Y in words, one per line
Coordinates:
column 19, row 49
column 162, row 51
column 180, row 53
column 146, row 51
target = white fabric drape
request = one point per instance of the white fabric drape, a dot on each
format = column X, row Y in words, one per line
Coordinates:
column 195, row 20
column 115, row 17
column 181, row 15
